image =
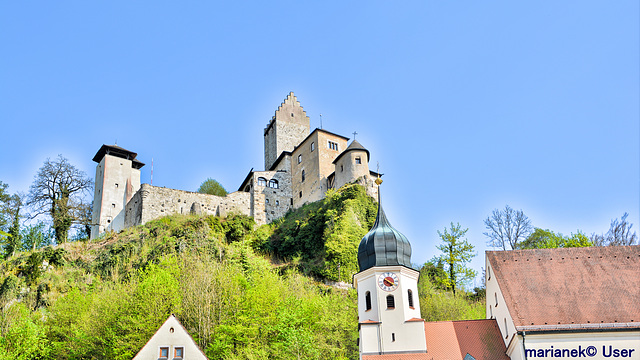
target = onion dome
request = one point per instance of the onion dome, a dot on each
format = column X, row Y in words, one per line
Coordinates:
column 383, row 245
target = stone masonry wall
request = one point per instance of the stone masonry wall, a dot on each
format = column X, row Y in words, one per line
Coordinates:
column 152, row 202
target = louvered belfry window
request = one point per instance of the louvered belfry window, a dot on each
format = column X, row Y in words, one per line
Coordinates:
column 391, row 302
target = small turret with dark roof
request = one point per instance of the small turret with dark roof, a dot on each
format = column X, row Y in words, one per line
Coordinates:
column 383, row 245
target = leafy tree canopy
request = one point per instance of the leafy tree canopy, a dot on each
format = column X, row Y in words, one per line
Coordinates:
column 212, row 187
column 456, row 252
column 547, row 239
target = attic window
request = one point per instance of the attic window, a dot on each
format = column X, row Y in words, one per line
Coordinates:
column 178, row 353
column 164, row 353
column 391, row 302
column 358, row 160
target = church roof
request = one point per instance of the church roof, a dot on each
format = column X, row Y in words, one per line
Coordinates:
column 453, row 340
column 355, row 145
column 383, row 245
column 541, row 287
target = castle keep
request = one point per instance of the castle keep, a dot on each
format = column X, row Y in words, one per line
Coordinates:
column 300, row 165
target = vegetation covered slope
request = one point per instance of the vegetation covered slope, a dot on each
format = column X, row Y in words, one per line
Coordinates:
column 239, row 290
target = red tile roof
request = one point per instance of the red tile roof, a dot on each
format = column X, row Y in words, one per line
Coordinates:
column 571, row 287
column 452, row 340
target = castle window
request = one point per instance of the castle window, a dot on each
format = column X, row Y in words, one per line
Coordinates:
column 302, row 175
column 262, row 181
column 246, row 188
column 277, row 202
column 313, row 146
column 341, row 168
column 164, row 353
column 410, row 295
column 367, row 300
column 358, row 160
column 266, row 200
column 178, row 353
column 332, row 145
column 300, row 197
column 299, row 158
column 273, row 184
column 291, row 114
column 391, row 302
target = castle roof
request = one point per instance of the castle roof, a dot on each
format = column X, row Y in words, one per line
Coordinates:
column 604, row 280
column 383, row 245
column 355, row 145
column 115, row 150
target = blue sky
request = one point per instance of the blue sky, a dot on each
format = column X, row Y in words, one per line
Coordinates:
column 467, row 105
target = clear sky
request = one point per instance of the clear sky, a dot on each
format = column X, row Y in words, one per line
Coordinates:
column 467, row 105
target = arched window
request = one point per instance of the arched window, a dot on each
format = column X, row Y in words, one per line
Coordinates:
column 410, row 295
column 367, row 300
column 262, row 181
column 302, row 175
column 391, row 302
column 299, row 158
column 273, row 183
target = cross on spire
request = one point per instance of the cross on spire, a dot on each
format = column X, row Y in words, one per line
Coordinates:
column 354, row 135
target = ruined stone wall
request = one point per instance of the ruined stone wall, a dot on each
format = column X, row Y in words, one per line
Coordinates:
column 271, row 199
column 152, row 202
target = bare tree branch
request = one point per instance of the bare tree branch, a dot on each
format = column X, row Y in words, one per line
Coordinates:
column 507, row 227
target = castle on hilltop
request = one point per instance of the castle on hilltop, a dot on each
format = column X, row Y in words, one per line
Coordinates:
column 299, row 167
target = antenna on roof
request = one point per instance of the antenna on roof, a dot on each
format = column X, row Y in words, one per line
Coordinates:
column 320, row 121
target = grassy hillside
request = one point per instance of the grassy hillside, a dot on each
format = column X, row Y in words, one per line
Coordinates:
column 242, row 292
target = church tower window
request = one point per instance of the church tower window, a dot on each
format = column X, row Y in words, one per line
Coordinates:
column 410, row 295
column 391, row 302
column 367, row 300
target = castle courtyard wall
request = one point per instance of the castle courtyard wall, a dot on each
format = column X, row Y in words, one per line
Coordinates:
column 152, row 202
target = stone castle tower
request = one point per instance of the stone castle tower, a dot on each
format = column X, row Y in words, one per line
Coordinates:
column 117, row 180
column 286, row 130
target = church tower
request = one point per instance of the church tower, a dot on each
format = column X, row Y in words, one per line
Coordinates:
column 286, row 130
column 388, row 305
column 117, row 179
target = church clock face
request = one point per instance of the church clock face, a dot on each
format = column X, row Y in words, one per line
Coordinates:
column 388, row 281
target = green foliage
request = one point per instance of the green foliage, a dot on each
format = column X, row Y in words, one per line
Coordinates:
column 547, row 239
column 36, row 236
column 325, row 235
column 212, row 187
column 437, row 304
column 455, row 254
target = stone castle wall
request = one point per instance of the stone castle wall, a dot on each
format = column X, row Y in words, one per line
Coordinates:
column 152, row 202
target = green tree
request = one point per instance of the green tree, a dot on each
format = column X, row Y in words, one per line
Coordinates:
column 547, row 239
column 13, row 240
column 455, row 254
column 57, row 191
column 507, row 227
column 36, row 236
column 212, row 187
